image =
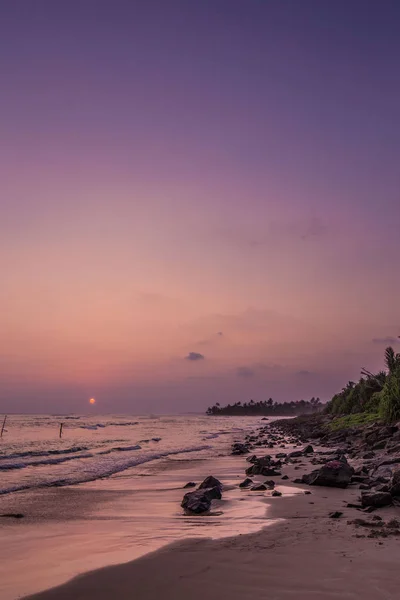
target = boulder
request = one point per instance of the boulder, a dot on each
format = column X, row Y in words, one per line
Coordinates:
column 375, row 499
column 245, row 483
column 210, row 482
column 238, row 449
column 334, row 473
column 259, row 488
column 189, row 485
column 285, row 477
column 251, row 459
column 308, row 449
column 296, row 454
column 335, row 515
column 270, row 483
column 275, row 493
column 196, row 502
column 281, row 455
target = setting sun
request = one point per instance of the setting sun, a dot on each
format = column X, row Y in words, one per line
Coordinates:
column 92, row 401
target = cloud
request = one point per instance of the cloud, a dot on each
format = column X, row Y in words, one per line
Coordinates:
column 303, row 229
column 386, row 340
column 194, row 356
column 245, row 372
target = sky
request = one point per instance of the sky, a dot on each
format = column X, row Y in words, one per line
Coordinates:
column 199, row 200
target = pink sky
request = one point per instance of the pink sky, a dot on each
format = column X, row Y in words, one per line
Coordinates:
column 238, row 200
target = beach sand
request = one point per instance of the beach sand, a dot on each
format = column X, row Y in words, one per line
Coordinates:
column 303, row 555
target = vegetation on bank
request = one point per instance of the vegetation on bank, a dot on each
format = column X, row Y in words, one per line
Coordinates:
column 268, row 408
column 374, row 396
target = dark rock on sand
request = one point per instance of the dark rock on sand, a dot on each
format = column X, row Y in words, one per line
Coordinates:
column 281, row 455
column 275, row 493
column 210, row 482
column 375, row 499
column 335, row 473
column 285, row 477
column 12, row 515
column 238, row 448
column 251, row 459
column 259, row 488
column 196, row 502
column 308, row 450
column 335, row 515
column 189, row 485
column 270, row 483
column 245, row 483
column 296, row 453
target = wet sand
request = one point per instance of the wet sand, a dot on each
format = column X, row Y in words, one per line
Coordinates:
column 304, row 554
column 72, row 530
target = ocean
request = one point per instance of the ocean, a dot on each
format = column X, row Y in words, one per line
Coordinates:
column 110, row 489
column 32, row 455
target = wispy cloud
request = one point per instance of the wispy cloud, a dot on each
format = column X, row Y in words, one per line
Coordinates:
column 193, row 356
column 386, row 340
column 245, row 372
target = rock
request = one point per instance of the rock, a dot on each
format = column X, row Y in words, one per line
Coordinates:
column 307, row 493
column 298, row 480
column 210, row 482
column 375, row 499
column 259, row 488
column 295, row 454
column 335, row 515
column 275, row 493
column 379, row 445
column 364, row 486
column 335, row 473
column 238, row 449
column 196, row 502
column 393, row 524
column 12, row 515
column 245, row 483
column 189, row 485
column 285, row 477
column 265, row 419
column 395, row 483
column 308, row 449
column 251, row 459
column 281, row 455
column 368, row 455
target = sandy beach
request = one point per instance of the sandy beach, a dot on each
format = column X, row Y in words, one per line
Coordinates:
column 303, row 554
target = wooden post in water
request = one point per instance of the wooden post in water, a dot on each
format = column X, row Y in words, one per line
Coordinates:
column 61, row 428
column 4, row 424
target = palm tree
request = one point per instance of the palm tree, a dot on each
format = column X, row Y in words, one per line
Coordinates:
column 390, row 359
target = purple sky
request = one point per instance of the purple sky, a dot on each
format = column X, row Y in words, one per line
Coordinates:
column 182, row 179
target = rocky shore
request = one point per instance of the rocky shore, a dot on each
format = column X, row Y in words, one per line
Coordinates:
column 364, row 458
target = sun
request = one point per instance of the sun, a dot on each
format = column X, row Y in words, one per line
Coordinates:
column 92, row 401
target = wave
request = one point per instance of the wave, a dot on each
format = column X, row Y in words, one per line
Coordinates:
column 40, row 463
column 34, row 453
column 120, row 449
column 100, row 471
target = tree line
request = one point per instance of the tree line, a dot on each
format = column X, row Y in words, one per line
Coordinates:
column 374, row 394
column 267, row 408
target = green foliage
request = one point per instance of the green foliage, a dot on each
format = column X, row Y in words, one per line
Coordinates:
column 355, row 420
column 373, row 395
column 389, row 407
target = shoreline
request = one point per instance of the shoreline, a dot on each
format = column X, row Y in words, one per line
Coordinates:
column 302, row 554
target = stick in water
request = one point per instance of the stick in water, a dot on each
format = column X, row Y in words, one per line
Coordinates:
column 61, row 427
column 4, row 424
